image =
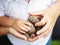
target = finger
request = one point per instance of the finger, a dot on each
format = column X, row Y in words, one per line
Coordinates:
column 16, row 34
column 33, row 39
column 27, row 23
column 18, row 29
column 48, row 32
column 46, row 35
column 23, row 28
column 42, row 22
column 43, row 29
column 27, row 27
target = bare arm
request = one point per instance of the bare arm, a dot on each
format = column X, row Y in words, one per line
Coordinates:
column 6, row 21
column 7, row 30
column 4, row 31
column 20, row 25
column 14, row 26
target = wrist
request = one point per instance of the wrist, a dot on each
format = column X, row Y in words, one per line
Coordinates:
column 4, row 31
column 7, row 30
column 14, row 23
column 6, row 21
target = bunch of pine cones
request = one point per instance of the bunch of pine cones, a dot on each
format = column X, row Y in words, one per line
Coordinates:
column 34, row 29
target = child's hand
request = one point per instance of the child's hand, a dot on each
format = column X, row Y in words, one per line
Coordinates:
column 21, row 26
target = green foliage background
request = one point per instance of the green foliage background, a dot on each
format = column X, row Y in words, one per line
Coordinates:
column 55, row 42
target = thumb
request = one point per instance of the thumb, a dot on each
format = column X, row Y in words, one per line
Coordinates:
column 42, row 22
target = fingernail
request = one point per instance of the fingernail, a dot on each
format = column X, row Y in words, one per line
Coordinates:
column 29, row 28
column 37, row 33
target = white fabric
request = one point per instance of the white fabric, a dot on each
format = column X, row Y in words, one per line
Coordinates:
column 19, row 9
column 2, row 9
column 37, row 5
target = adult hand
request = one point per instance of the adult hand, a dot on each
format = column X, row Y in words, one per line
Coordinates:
column 10, row 30
column 49, row 18
column 16, row 33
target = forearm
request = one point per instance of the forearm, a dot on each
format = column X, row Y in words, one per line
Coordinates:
column 4, row 31
column 58, row 1
column 54, row 9
column 58, row 5
column 6, row 21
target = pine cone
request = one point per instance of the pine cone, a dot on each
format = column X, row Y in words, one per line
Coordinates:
column 34, row 29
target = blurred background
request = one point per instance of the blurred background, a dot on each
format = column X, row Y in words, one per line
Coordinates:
column 56, row 33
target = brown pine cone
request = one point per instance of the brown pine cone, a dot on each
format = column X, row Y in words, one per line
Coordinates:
column 34, row 29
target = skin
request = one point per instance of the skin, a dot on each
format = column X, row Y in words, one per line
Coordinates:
column 7, row 30
column 50, row 16
column 27, row 1
column 2, row 29
column 16, row 26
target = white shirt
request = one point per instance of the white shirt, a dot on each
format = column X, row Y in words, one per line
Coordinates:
column 19, row 9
